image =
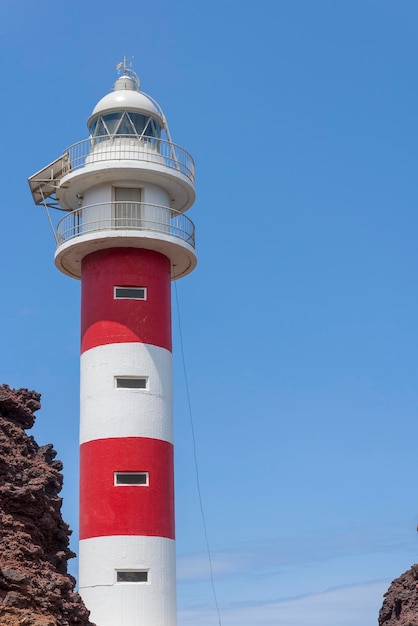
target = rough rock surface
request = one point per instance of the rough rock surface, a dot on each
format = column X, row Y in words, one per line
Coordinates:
column 35, row 588
column 400, row 604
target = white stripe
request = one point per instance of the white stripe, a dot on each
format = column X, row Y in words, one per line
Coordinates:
column 106, row 411
column 129, row 604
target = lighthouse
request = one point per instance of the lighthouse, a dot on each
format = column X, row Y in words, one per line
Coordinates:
column 122, row 195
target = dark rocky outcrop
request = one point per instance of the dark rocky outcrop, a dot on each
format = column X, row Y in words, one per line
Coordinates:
column 35, row 588
column 400, row 604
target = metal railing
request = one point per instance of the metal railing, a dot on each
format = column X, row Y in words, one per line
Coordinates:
column 128, row 147
column 117, row 216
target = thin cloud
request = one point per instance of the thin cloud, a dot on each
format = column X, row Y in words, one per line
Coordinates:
column 262, row 558
column 342, row 606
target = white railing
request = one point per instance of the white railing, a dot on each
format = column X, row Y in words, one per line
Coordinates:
column 117, row 216
column 128, row 147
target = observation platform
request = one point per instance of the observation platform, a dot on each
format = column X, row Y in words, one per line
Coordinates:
column 127, row 225
column 101, row 159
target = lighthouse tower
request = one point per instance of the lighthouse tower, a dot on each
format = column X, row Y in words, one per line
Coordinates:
column 124, row 191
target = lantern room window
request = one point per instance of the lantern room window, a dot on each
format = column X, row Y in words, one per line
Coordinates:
column 125, row 123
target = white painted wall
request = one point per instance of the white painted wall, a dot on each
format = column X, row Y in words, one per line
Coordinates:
column 104, row 192
column 106, row 411
column 129, row 604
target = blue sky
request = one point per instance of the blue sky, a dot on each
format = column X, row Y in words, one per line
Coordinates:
column 299, row 323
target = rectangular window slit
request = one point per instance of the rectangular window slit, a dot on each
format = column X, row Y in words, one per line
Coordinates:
column 131, row 576
column 131, row 478
column 130, row 293
column 131, row 382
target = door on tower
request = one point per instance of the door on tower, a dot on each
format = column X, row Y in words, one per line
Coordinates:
column 127, row 212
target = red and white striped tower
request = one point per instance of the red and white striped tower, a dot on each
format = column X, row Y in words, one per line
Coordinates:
column 125, row 190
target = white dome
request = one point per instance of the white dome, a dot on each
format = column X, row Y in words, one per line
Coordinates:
column 127, row 97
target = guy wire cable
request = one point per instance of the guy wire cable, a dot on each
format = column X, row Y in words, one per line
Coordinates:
column 195, row 457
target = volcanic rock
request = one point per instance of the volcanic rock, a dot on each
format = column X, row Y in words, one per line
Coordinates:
column 400, row 604
column 35, row 588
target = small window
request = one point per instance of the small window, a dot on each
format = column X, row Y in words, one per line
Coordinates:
column 131, row 478
column 131, row 382
column 132, row 576
column 130, row 293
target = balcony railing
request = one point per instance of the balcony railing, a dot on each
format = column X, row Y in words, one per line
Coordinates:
column 132, row 216
column 128, row 147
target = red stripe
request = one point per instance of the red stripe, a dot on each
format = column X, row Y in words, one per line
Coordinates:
column 109, row 510
column 105, row 320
